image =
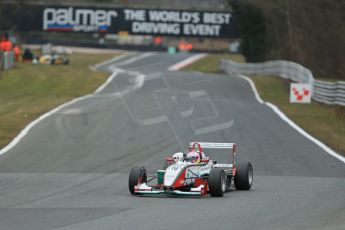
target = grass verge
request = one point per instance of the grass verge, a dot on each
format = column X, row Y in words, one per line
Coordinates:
column 326, row 123
column 28, row 90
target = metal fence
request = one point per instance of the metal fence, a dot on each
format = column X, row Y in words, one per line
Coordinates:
column 332, row 93
column 329, row 92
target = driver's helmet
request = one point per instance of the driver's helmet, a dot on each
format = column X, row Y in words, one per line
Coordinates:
column 193, row 157
column 178, row 156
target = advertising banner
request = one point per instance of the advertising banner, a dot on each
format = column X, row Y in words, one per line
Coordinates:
column 131, row 21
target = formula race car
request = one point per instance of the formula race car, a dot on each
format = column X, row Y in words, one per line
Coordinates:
column 194, row 174
column 54, row 59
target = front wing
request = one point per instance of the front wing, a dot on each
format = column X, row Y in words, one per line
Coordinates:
column 144, row 189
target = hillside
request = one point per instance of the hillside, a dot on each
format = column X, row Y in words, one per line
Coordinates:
column 310, row 32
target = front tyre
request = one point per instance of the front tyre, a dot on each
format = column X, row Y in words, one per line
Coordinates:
column 244, row 176
column 137, row 176
column 217, row 182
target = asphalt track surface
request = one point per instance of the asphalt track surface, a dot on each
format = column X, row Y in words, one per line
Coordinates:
column 70, row 171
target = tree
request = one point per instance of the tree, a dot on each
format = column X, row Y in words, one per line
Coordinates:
column 252, row 27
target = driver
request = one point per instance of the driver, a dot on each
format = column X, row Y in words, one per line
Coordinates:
column 178, row 157
column 194, row 157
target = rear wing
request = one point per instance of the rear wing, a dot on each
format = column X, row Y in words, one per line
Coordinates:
column 212, row 145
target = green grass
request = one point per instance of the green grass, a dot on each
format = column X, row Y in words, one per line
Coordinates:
column 326, row 123
column 28, row 90
column 209, row 64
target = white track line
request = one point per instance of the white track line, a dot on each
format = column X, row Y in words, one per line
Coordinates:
column 133, row 59
column 25, row 131
column 186, row 62
column 107, row 62
column 275, row 109
column 102, row 87
column 291, row 123
column 252, row 85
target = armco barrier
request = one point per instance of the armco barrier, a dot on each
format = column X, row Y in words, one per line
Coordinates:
column 332, row 93
column 329, row 92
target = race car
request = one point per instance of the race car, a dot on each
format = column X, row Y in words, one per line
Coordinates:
column 194, row 174
column 54, row 59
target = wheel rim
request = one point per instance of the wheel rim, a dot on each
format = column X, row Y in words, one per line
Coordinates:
column 223, row 182
column 250, row 176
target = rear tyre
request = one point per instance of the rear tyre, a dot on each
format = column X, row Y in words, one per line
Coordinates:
column 136, row 176
column 244, row 176
column 217, row 182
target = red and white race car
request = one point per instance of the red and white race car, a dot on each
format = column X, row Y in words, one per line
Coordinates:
column 194, row 174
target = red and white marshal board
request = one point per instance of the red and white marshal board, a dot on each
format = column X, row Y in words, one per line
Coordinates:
column 300, row 93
